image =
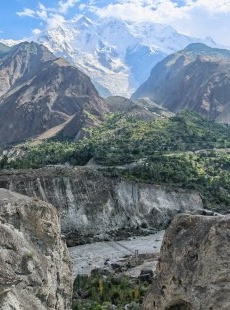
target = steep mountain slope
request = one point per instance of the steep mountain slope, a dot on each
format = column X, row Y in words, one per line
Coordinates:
column 142, row 109
column 196, row 78
column 39, row 92
column 116, row 54
column 3, row 49
column 93, row 207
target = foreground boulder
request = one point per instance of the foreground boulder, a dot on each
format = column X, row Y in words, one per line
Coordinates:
column 35, row 267
column 193, row 270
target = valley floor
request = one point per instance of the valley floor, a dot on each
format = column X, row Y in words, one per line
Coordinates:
column 90, row 256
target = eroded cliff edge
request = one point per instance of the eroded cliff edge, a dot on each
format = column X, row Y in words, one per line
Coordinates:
column 94, row 207
column 193, row 269
column 35, row 266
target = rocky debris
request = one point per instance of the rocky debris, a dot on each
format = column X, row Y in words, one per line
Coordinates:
column 195, row 78
column 101, row 255
column 95, row 208
column 146, row 274
column 146, row 264
column 35, row 266
column 193, row 269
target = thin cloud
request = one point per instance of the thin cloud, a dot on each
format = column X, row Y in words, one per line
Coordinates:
column 160, row 9
column 55, row 20
column 36, row 31
column 214, row 7
column 82, row 6
column 27, row 12
column 52, row 16
column 64, row 6
column 200, row 18
column 141, row 10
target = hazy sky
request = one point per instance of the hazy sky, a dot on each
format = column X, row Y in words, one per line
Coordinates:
column 199, row 18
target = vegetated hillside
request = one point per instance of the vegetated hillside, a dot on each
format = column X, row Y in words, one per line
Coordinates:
column 42, row 94
column 196, row 78
column 106, row 290
column 185, row 151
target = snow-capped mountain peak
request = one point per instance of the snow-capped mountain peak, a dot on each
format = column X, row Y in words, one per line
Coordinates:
column 118, row 55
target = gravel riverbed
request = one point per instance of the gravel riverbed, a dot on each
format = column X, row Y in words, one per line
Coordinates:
column 94, row 255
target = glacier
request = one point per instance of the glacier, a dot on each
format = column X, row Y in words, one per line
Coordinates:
column 117, row 55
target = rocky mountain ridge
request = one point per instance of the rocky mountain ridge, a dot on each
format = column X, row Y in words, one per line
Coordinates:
column 196, row 78
column 116, row 54
column 40, row 93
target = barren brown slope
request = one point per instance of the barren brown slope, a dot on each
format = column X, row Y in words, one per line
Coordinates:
column 196, row 78
column 39, row 92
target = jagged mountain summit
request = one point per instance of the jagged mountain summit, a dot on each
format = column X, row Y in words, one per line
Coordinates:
column 196, row 78
column 41, row 95
column 117, row 55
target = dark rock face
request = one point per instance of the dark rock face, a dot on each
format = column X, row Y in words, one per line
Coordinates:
column 193, row 269
column 39, row 92
column 196, row 78
column 35, row 266
column 93, row 207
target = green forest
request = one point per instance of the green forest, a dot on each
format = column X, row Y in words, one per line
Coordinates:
column 100, row 292
column 185, row 150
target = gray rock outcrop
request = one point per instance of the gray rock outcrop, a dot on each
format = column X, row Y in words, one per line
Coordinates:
column 94, row 207
column 35, row 266
column 193, row 269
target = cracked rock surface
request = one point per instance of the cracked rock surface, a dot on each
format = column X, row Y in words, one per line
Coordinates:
column 35, row 267
column 95, row 208
column 193, row 270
